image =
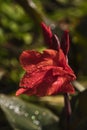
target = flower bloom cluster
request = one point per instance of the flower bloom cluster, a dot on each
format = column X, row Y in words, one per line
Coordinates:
column 47, row 73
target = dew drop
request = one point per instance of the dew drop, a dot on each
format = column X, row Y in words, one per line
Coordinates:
column 16, row 110
column 26, row 114
column 36, row 122
column 11, row 107
column 33, row 117
column 36, row 112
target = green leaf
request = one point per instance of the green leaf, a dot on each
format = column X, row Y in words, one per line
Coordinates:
column 26, row 116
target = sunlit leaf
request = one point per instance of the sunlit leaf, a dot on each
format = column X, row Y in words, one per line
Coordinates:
column 26, row 116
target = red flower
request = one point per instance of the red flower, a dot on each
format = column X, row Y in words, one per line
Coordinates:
column 47, row 73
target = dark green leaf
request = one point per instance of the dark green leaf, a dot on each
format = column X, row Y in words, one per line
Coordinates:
column 26, row 116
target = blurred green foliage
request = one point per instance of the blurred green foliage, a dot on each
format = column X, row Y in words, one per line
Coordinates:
column 20, row 30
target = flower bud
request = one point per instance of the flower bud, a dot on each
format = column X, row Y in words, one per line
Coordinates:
column 55, row 43
column 65, row 42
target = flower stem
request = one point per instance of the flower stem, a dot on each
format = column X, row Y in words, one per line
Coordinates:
column 67, row 110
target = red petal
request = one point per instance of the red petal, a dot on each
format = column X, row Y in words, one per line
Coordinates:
column 68, row 89
column 49, row 53
column 58, row 59
column 32, row 60
column 61, row 59
column 29, row 59
column 63, row 63
column 36, row 84
column 46, row 33
column 56, row 86
column 31, row 80
column 46, row 83
column 20, row 91
column 48, row 80
column 60, row 85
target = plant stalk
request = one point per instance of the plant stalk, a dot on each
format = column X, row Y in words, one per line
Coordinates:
column 68, row 110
